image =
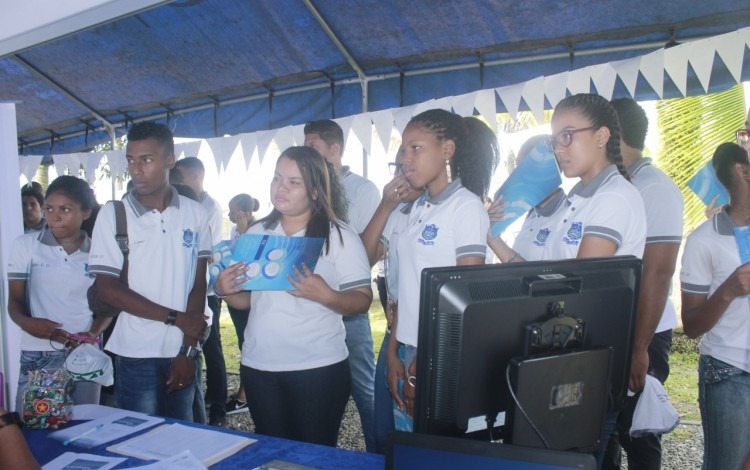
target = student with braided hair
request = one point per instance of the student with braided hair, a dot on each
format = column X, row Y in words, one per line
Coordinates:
column 453, row 159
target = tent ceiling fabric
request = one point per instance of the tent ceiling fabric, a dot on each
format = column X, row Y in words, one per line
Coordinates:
column 216, row 67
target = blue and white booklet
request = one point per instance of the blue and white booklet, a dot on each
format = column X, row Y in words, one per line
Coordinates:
column 706, row 186
column 270, row 259
column 535, row 178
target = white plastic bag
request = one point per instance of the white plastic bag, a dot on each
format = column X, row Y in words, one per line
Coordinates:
column 88, row 362
column 654, row 414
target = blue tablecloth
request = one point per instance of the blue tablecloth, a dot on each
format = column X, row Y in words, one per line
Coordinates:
column 266, row 449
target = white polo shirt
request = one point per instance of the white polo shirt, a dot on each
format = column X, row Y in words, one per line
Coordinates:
column 363, row 197
column 532, row 238
column 56, row 283
column 663, row 203
column 709, row 258
column 441, row 229
column 287, row 333
column 396, row 223
column 608, row 207
column 164, row 251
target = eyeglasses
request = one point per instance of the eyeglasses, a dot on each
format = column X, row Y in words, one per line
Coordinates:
column 565, row 138
column 395, row 166
column 743, row 136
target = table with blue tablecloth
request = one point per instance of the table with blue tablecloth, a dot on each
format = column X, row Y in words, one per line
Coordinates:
column 263, row 451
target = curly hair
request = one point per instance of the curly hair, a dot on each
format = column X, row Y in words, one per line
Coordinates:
column 149, row 129
column 477, row 152
column 600, row 113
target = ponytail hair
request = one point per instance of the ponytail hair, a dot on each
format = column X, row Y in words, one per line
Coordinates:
column 245, row 202
column 477, row 152
column 600, row 113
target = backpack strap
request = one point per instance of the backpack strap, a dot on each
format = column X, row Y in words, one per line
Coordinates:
column 121, row 236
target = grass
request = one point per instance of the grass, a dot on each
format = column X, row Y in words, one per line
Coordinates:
column 682, row 385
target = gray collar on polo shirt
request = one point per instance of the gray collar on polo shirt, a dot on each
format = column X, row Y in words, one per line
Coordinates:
column 552, row 205
column 723, row 223
column 637, row 165
column 140, row 209
column 47, row 238
column 589, row 189
column 442, row 196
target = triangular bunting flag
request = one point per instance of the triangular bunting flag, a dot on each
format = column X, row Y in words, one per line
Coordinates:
column 117, row 163
column 189, row 149
column 604, row 77
column 29, row 164
column 90, row 162
column 249, row 143
column 487, row 107
column 731, row 50
column 442, row 103
column 701, row 58
column 652, row 69
column 264, row 140
column 463, row 105
column 298, row 132
column 511, row 98
column 533, row 95
column 223, row 148
column 555, row 87
column 424, row 106
column 362, row 128
column 383, row 122
column 579, row 81
column 69, row 161
column 627, row 70
column 346, row 124
column 284, row 138
column 675, row 64
column 402, row 116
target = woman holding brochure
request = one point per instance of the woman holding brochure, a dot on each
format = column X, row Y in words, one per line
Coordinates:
column 295, row 365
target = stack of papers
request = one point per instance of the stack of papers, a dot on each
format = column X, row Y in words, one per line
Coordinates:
column 105, row 429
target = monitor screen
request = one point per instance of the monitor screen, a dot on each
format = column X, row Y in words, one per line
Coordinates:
column 473, row 322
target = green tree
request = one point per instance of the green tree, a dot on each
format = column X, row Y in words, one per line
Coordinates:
column 691, row 129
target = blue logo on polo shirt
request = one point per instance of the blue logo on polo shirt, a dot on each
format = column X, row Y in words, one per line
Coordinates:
column 573, row 237
column 541, row 237
column 429, row 233
column 189, row 238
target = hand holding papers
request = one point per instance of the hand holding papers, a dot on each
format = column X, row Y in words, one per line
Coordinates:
column 535, row 178
column 270, row 259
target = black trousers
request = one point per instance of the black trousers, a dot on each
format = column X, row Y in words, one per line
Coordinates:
column 216, row 370
column 642, row 452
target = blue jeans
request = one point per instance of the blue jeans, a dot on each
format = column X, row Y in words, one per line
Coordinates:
column 83, row 392
column 383, row 401
column 141, row 385
column 362, row 364
column 724, row 399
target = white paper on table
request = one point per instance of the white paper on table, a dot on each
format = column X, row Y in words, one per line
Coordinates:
column 171, row 439
column 182, row 461
column 86, row 412
column 115, row 426
column 73, row 460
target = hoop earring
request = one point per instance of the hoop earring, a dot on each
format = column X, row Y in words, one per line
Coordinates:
column 448, row 171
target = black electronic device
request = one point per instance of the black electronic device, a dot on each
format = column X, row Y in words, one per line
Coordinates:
column 475, row 319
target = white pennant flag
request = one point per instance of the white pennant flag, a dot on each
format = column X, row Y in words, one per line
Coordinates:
column 652, row 69
column 627, row 70
column 442, row 103
column 346, row 124
column 223, row 148
column 362, row 127
column 579, row 80
column 701, row 58
column 555, row 88
column 676, row 63
column 604, row 77
column 731, row 50
column 424, row 106
column 189, row 149
column 117, row 163
column 511, row 98
column 264, row 140
column 383, row 122
column 284, row 138
column 69, row 161
column 463, row 105
column 249, row 143
column 29, row 164
column 90, row 163
column 485, row 104
column 298, row 132
column 402, row 116
column 533, row 95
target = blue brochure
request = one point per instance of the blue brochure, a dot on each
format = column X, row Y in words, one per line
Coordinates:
column 271, row 259
column 706, row 185
column 742, row 237
column 535, row 178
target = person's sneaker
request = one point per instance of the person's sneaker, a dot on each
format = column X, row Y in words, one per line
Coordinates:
column 235, row 406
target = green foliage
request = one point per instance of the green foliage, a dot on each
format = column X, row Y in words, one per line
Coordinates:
column 691, row 129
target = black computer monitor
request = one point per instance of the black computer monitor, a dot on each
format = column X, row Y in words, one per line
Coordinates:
column 473, row 322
